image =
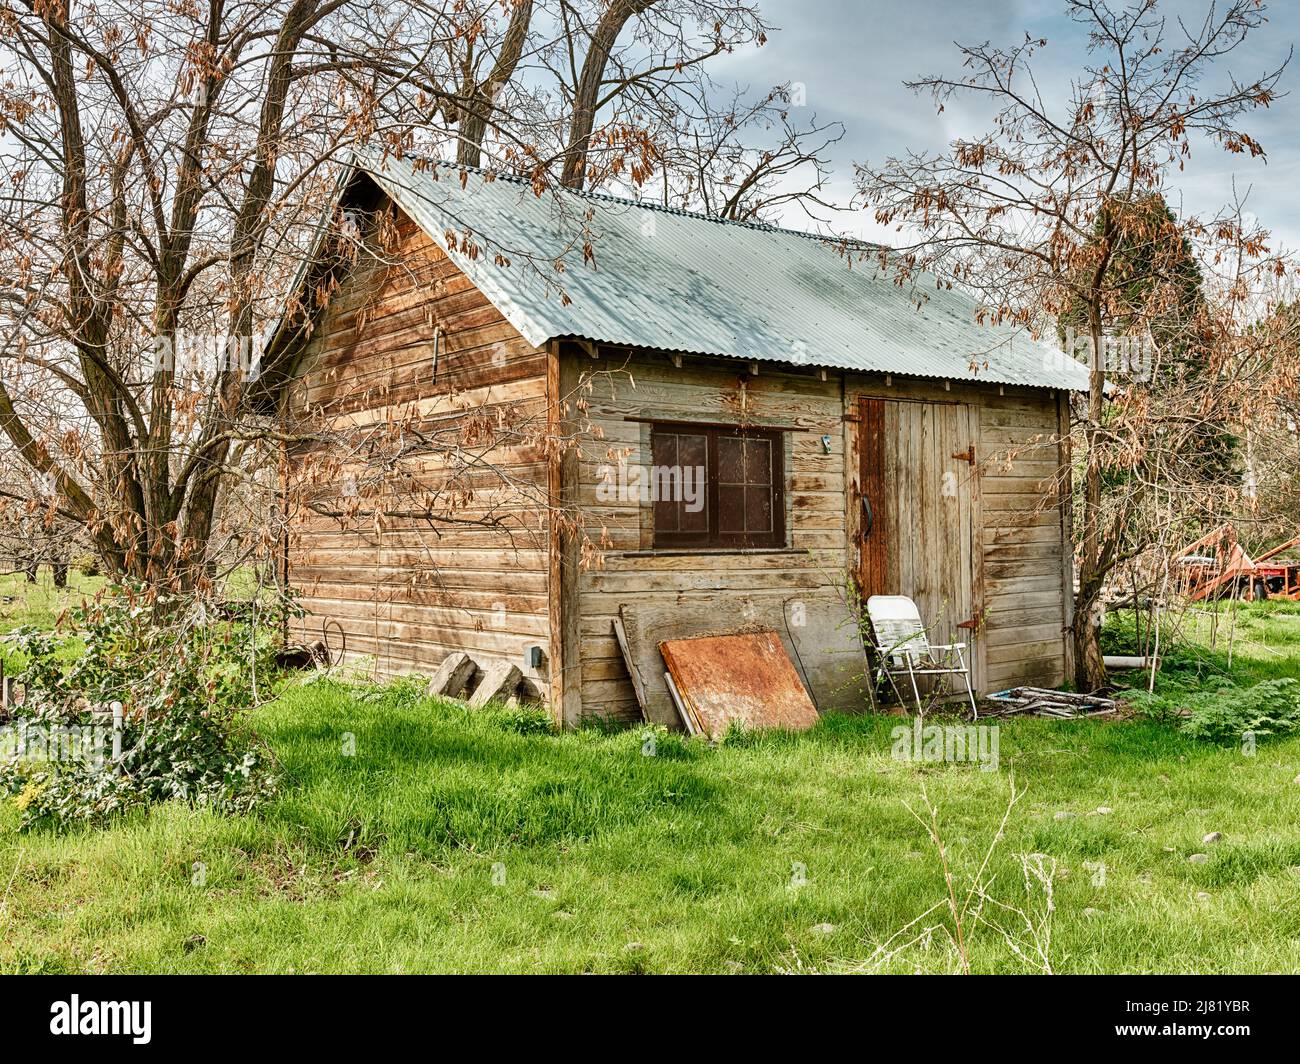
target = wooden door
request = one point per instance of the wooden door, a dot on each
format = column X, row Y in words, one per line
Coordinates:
column 917, row 522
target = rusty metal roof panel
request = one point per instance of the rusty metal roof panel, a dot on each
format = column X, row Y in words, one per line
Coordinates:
column 674, row 281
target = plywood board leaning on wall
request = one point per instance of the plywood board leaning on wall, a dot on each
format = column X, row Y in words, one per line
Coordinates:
column 820, row 636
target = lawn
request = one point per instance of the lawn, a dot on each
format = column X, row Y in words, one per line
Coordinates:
column 416, row 836
column 41, row 603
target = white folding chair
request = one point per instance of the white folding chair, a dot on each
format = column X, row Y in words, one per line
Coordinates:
column 903, row 648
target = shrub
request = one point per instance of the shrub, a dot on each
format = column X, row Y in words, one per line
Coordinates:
column 1270, row 708
column 1119, row 636
column 86, row 564
column 182, row 683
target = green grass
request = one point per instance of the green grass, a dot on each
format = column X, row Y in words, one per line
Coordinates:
column 1241, row 642
column 41, row 603
column 451, row 841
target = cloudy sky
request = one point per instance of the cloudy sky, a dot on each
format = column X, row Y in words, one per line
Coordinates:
column 853, row 56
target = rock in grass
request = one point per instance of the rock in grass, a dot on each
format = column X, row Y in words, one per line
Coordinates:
column 1091, row 912
column 1199, row 858
column 1063, row 815
column 822, row 929
column 1104, row 810
column 1203, row 896
column 1213, row 836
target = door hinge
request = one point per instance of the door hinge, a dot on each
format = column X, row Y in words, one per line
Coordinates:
column 967, row 455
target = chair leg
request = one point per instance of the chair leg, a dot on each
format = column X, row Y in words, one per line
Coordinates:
column 970, row 691
column 916, row 691
column 893, row 686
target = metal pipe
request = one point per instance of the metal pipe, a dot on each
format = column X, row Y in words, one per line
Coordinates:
column 1118, row 661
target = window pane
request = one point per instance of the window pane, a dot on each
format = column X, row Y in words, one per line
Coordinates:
column 731, row 508
column 694, row 510
column 664, row 448
column 693, row 451
column 665, row 517
column 693, row 484
column 731, row 460
column 758, row 461
column 678, row 482
column 758, row 508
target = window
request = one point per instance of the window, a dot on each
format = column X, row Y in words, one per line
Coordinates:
column 717, row 486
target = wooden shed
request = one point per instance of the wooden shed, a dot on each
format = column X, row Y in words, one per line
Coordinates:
column 565, row 410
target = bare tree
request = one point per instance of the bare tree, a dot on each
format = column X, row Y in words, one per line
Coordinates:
column 750, row 161
column 478, row 92
column 589, row 91
column 164, row 175
column 161, row 154
column 1037, row 219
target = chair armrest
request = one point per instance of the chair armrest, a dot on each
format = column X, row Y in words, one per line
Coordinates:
column 947, row 646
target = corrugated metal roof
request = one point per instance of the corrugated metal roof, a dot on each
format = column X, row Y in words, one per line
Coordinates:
column 676, row 281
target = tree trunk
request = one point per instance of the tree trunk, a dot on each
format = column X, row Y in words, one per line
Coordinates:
column 480, row 100
column 591, row 82
column 1089, row 664
column 60, row 574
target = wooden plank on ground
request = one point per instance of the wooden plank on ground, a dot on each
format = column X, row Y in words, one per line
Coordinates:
column 453, row 675
column 620, row 635
column 500, row 681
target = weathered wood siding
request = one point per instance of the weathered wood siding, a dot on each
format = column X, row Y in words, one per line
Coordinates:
column 1027, row 553
column 1021, row 569
column 624, row 391
column 404, row 580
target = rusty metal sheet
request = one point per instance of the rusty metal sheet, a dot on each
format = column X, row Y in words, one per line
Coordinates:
column 819, row 630
column 747, row 678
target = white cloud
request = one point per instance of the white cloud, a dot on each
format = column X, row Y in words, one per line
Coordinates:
column 855, row 56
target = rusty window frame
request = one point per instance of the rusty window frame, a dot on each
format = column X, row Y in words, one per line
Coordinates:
column 713, row 536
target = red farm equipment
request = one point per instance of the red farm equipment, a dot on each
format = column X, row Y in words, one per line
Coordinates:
column 1216, row 566
column 1280, row 571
